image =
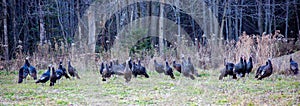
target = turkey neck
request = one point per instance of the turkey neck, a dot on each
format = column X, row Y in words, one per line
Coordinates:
column 53, row 71
column 174, row 63
column 102, row 65
column 241, row 60
column 27, row 63
column 69, row 64
column 49, row 69
column 167, row 64
column 270, row 64
column 60, row 66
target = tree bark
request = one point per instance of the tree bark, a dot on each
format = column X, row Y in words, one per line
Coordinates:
column 41, row 23
column 237, row 34
column 14, row 22
column 267, row 17
column 161, row 29
column 223, row 21
column 260, row 28
column 297, row 16
column 230, row 22
column 6, row 55
column 92, row 31
column 179, row 40
column 273, row 12
column 79, row 23
column 287, row 18
column 241, row 17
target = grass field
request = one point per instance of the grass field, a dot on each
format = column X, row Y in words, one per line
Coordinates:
column 157, row 90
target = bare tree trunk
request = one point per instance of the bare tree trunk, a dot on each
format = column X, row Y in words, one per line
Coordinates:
column 92, row 31
column 217, row 15
column 223, row 20
column 267, row 21
column 178, row 26
column 14, row 28
column 237, row 34
column 273, row 12
column 260, row 28
column 271, row 17
column 79, row 24
column 287, row 18
column 211, row 25
column 60, row 20
column 153, row 23
column 230, row 22
column 204, row 18
column 160, row 30
column 241, row 17
column 6, row 55
column 297, row 16
column 41, row 19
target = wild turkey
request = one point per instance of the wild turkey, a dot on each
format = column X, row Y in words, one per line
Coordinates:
column 194, row 71
column 240, row 68
column 159, row 68
column 228, row 70
column 63, row 69
column 294, row 66
column 26, row 70
column 187, row 70
column 53, row 77
column 21, row 75
column 245, row 66
column 32, row 72
column 138, row 69
column 117, row 68
column 169, row 71
column 177, row 66
column 72, row 71
column 59, row 73
column 110, row 65
column 31, row 69
column 45, row 76
column 259, row 70
column 142, row 69
column 106, row 73
column 101, row 68
column 127, row 72
column 266, row 71
column 249, row 65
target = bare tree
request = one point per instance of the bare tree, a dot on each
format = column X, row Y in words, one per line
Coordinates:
column 79, row 31
column 160, row 30
column 92, row 30
column 223, row 20
column 259, row 14
column 287, row 18
column 297, row 16
column 6, row 55
column 41, row 23
column 14, row 22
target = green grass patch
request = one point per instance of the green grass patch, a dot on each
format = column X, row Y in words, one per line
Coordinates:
column 158, row 89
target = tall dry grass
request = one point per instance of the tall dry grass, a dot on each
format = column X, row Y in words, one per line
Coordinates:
column 209, row 56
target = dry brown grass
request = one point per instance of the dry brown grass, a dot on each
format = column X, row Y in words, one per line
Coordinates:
column 210, row 56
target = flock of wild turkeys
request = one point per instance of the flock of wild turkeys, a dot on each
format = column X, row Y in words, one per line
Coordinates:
column 131, row 68
column 50, row 74
column 243, row 67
